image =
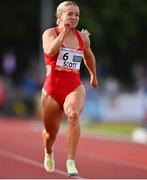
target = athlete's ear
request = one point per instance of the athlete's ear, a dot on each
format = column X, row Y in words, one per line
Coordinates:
column 85, row 31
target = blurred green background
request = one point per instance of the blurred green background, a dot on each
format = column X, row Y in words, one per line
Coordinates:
column 118, row 39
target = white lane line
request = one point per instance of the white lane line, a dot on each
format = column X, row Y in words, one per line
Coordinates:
column 26, row 160
column 112, row 160
column 115, row 161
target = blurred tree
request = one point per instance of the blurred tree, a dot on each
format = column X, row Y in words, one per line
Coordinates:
column 19, row 30
column 118, row 30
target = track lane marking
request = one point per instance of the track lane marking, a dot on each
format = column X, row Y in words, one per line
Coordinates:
column 115, row 161
column 26, row 160
column 111, row 160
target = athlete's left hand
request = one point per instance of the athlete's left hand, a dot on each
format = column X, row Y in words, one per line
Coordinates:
column 85, row 31
column 93, row 81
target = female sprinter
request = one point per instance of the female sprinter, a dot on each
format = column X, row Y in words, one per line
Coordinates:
column 63, row 92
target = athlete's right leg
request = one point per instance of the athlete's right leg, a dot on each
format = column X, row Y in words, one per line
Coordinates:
column 52, row 115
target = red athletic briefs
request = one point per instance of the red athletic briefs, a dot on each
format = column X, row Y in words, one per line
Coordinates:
column 58, row 84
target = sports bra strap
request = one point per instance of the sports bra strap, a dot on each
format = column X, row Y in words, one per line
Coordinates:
column 56, row 31
column 80, row 40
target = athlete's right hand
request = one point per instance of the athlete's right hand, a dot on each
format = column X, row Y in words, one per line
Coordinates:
column 66, row 26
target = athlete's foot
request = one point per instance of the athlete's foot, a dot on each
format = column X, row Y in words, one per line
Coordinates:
column 49, row 162
column 71, row 168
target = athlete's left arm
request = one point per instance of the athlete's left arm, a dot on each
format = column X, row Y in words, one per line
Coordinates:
column 89, row 61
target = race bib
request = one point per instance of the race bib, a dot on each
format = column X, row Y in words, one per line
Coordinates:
column 69, row 59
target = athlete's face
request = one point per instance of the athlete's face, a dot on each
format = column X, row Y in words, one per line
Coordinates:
column 71, row 14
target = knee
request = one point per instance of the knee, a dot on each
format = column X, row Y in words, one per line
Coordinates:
column 73, row 117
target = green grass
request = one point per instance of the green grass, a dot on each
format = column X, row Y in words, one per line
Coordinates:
column 116, row 129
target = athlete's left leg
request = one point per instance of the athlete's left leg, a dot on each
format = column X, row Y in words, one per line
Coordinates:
column 73, row 106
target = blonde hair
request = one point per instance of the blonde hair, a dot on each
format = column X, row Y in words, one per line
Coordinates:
column 60, row 8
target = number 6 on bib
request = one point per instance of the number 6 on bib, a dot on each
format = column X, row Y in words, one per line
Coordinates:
column 69, row 59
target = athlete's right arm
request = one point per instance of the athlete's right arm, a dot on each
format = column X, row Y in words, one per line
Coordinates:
column 52, row 42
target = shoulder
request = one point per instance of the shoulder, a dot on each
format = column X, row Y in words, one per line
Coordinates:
column 49, row 32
